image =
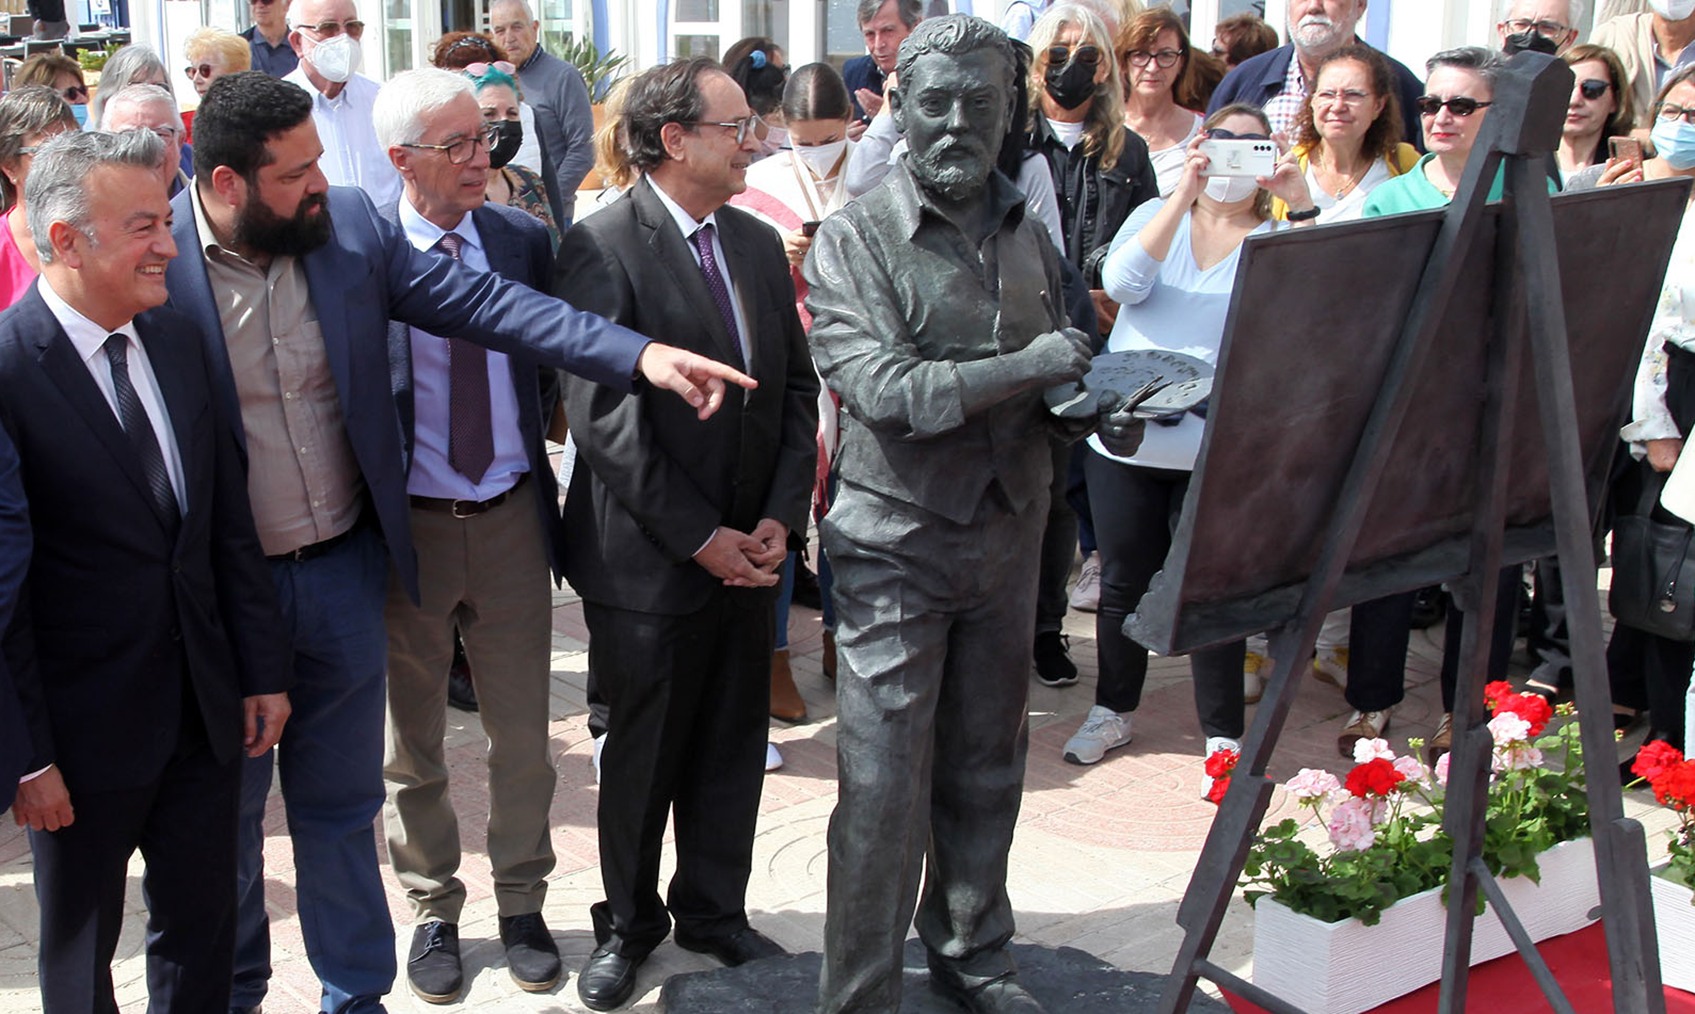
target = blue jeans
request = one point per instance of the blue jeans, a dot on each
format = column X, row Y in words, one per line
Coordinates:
column 331, row 766
column 786, row 595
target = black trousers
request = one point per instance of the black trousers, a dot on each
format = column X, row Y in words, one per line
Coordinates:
column 688, row 697
column 1059, row 545
column 1135, row 510
column 184, row 823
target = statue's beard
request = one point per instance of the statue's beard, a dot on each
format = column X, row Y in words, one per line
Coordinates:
column 952, row 179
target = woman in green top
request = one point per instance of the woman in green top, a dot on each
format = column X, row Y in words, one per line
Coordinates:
column 1458, row 91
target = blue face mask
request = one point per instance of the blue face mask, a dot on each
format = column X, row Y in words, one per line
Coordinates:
column 81, row 113
column 1674, row 141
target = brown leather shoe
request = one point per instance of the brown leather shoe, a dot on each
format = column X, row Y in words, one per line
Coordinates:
column 827, row 658
column 786, row 704
column 1442, row 741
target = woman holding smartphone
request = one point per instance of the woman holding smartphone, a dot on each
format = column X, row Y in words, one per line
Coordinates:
column 1172, row 266
column 1600, row 110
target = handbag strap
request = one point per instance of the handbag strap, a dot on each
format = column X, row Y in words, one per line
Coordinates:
column 1652, row 487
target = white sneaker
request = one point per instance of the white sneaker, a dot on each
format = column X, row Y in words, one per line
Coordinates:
column 1330, row 665
column 599, row 745
column 773, row 759
column 1215, row 744
column 1086, row 594
column 1255, row 669
column 1103, row 730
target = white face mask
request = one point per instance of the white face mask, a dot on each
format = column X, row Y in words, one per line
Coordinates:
column 821, row 158
column 336, row 58
column 1230, row 189
column 1673, row 10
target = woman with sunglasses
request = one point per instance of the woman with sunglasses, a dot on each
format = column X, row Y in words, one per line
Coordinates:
column 1650, row 671
column 1173, row 267
column 211, row 53
column 457, row 51
column 1458, row 90
column 28, row 117
column 1161, row 101
column 1600, row 108
column 1348, row 134
column 60, row 73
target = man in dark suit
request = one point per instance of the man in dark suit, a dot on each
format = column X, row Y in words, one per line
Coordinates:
column 148, row 648
column 295, row 282
column 485, row 524
column 674, row 531
column 14, row 561
column 884, row 23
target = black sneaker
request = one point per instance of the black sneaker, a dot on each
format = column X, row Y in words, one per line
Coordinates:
column 1054, row 667
column 531, row 955
column 432, row 965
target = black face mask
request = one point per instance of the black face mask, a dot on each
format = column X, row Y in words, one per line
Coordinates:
column 1070, row 85
column 506, row 145
column 1536, row 42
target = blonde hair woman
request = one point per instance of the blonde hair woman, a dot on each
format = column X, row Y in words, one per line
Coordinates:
column 211, row 53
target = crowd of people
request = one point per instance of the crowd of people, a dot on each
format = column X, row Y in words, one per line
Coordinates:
column 312, row 340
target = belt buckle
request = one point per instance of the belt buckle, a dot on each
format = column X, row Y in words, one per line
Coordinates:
column 463, row 509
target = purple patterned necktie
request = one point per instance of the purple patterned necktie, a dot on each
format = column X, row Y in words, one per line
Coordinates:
column 470, row 438
column 702, row 240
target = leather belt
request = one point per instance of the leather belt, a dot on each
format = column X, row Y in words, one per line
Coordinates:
column 467, row 508
column 316, row 549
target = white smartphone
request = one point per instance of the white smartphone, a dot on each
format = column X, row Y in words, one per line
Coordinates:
column 1240, row 158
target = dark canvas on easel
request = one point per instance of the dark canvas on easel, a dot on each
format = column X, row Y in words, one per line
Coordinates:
column 1287, row 412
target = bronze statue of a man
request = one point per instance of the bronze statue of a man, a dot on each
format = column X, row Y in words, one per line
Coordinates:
column 934, row 300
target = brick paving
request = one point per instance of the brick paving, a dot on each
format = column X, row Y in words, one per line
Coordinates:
column 1101, row 858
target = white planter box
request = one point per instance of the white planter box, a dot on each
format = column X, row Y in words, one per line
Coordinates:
column 1348, row 967
column 1675, row 919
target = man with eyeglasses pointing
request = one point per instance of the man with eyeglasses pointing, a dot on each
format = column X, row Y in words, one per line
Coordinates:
column 1278, row 81
column 325, row 35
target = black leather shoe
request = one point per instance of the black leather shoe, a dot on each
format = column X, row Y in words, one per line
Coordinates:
column 432, row 965
column 531, row 955
column 738, row 948
column 607, row 981
column 1000, row 995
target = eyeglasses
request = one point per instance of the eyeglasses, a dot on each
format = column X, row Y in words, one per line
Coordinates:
column 744, row 126
column 1673, row 111
column 1164, row 58
column 479, row 69
column 1085, row 54
column 203, row 70
column 1593, row 88
column 1346, row 97
column 464, row 149
column 330, row 29
column 1460, row 105
column 29, row 149
column 1220, row 134
column 170, row 135
column 1545, row 28
column 75, row 93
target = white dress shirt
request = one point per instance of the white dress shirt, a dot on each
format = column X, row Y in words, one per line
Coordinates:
column 89, row 339
column 352, row 156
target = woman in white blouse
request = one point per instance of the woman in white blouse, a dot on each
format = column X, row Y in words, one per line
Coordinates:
column 1172, row 266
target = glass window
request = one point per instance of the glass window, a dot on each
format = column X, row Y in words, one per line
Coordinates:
column 397, row 23
column 769, row 18
column 557, row 24
column 696, row 10
column 697, row 45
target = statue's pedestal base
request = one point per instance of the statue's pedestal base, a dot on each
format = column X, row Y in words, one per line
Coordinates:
column 1065, row 980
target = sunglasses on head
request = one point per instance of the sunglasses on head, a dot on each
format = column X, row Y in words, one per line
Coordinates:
column 479, row 69
column 1593, row 88
column 1220, row 134
column 1459, row 105
column 1086, row 55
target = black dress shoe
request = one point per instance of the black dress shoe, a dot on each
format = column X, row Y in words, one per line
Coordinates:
column 607, row 981
column 1000, row 995
column 531, row 955
column 432, row 965
column 738, row 948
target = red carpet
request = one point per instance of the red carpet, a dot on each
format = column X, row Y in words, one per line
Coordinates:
column 1505, row 985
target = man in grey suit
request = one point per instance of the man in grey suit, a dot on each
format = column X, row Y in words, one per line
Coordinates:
column 485, row 524
column 674, row 530
column 934, row 320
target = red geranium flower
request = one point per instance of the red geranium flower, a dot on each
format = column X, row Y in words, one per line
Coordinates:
column 1655, row 759
column 1376, row 777
column 1676, row 786
column 1221, row 762
column 1494, row 693
column 1220, row 786
column 1530, row 707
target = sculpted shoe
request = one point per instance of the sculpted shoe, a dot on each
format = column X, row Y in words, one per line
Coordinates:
column 432, row 965
column 532, row 957
column 738, row 948
column 608, row 980
column 1001, row 995
column 1362, row 725
column 786, row 703
column 1102, row 730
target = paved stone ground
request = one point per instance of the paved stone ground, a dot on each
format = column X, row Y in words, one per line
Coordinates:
column 1101, row 859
